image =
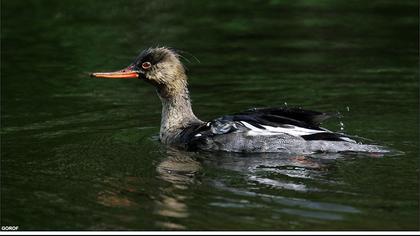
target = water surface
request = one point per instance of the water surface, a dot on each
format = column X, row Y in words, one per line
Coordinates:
column 82, row 154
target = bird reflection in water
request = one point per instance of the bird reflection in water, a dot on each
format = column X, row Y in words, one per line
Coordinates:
column 271, row 168
column 182, row 169
column 179, row 169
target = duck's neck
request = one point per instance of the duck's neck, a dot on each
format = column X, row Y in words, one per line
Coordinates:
column 177, row 114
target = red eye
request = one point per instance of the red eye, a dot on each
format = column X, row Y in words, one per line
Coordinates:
column 146, row 65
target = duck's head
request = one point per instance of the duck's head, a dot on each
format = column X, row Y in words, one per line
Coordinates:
column 159, row 66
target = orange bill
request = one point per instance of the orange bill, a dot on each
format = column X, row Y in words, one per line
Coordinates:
column 127, row 73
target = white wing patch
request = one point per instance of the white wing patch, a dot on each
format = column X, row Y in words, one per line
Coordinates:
column 348, row 139
column 270, row 130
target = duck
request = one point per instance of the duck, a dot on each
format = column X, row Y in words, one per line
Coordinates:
column 256, row 130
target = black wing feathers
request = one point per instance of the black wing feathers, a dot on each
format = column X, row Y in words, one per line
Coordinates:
column 276, row 117
column 282, row 116
column 324, row 136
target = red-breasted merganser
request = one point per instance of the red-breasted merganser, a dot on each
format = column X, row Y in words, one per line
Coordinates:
column 291, row 130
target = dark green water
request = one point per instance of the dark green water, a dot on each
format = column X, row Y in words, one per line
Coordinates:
column 82, row 154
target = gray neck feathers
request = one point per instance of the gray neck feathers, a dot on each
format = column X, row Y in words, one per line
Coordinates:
column 177, row 114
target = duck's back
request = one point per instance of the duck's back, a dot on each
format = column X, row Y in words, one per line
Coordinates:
column 291, row 130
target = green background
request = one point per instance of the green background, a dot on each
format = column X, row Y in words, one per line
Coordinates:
column 83, row 154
